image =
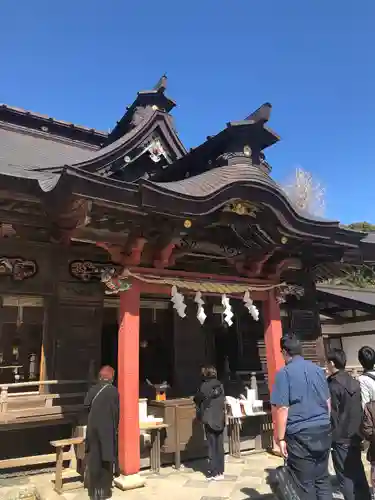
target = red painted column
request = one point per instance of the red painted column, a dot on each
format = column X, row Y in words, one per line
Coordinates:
column 272, row 336
column 128, row 380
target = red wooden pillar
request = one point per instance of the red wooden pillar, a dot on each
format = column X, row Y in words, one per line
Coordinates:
column 128, row 380
column 272, row 335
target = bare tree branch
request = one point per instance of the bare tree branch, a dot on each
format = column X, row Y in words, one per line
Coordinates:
column 306, row 193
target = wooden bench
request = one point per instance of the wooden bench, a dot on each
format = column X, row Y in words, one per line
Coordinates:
column 61, row 456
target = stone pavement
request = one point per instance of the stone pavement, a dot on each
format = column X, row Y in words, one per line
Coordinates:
column 245, row 478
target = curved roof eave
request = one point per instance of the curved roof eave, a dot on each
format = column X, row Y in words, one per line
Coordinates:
column 208, row 192
column 204, row 187
column 74, row 181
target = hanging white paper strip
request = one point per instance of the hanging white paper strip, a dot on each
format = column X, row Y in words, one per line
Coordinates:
column 178, row 302
column 201, row 315
column 228, row 314
column 250, row 306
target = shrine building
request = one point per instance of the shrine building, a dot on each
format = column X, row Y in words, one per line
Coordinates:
column 124, row 248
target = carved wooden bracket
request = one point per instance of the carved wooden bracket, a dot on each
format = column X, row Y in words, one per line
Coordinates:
column 75, row 215
column 134, row 251
column 116, row 252
column 164, row 256
column 87, row 270
column 255, row 268
column 17, row 268
column 130, row 255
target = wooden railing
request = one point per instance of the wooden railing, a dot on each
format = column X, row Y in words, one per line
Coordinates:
column 39, row 404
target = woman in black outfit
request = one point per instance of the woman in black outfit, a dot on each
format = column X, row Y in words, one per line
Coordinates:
column 210, row 402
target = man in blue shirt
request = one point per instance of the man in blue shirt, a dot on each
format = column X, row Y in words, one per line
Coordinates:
column 301, row 401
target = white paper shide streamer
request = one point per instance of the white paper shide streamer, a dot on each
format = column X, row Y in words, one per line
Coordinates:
column 201, row 315
column 253, row 310
column 178, row 302
column 227, row 313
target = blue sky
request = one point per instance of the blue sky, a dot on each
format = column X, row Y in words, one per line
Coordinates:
column 83, row 61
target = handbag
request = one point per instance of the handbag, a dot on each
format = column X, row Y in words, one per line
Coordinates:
column 284, row 485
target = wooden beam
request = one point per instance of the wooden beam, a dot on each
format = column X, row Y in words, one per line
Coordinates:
column 92, row 234
column 11, row 463
column 16, row 218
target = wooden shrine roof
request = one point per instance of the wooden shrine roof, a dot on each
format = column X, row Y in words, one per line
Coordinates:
column 24, row 154
column 355, row 294
column 140, row 187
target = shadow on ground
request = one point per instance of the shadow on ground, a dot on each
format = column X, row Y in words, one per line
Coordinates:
column 254, row 494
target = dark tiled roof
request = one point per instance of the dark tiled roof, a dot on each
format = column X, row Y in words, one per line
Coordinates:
column 213, row 181
column 365, row 296
column 23, row 154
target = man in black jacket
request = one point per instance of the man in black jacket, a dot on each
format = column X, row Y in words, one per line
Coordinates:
column 346, row 417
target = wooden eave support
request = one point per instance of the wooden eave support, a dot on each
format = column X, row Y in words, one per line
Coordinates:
column 253, row 269
column 75, row 215
column 134, row 252
column 128, row 255
column 164, row 256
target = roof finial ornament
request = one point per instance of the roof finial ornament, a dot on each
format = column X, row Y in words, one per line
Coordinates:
column 262, row 114
column 161, row 86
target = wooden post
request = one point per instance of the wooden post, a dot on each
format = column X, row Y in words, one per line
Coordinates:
column 128, row 380
column 272, row 336
column 4, row 399
column 59, row 469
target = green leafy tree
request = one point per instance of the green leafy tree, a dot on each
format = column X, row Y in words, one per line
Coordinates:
column 366, row 227
column 361, row 276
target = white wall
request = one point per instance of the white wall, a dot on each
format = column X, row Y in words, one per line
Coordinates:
column 351, row 346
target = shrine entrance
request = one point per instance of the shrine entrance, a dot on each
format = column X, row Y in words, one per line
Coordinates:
column 156, row 360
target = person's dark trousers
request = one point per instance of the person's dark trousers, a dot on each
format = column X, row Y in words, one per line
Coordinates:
column 308, row 456
column 350, row 472
column 215, row 442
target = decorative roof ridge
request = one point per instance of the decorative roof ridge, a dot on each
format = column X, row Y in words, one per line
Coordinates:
column 145, row 100
column 11, row 127
column 49, row 119
column 131, row 137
